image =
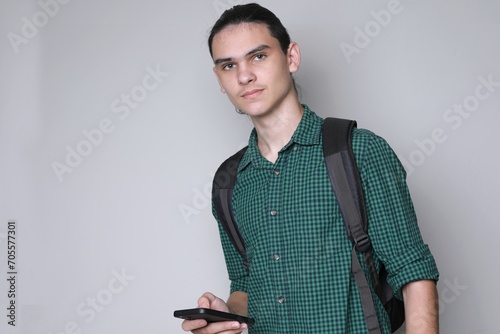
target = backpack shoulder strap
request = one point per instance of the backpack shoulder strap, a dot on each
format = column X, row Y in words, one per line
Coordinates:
column 344, row 176
column 222, row 191
column 346, row 183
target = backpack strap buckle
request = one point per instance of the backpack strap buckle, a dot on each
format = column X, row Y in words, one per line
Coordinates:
column 362, row 243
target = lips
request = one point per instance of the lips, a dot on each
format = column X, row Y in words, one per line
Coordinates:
column 252, row 93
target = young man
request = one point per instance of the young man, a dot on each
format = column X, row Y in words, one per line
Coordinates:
column 299, row 278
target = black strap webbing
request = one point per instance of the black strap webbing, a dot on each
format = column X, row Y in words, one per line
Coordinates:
column 344, row 177
column 365, row 295
column 346, row 184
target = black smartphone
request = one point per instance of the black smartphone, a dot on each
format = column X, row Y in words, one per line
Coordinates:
column 211, row 315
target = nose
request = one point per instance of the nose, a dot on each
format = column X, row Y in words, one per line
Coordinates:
column 245, row 75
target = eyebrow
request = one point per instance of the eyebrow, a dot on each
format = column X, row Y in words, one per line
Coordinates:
column 257, row 49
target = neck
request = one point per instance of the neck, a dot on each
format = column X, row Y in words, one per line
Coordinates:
column 275, row 129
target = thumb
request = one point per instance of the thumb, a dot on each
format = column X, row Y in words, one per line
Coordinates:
column 205, row 301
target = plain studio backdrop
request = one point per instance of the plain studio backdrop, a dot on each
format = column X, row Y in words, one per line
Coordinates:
column 112, row 125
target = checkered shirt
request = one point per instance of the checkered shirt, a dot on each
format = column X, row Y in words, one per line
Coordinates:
column 299, row 255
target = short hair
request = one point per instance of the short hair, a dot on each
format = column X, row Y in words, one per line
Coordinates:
column 251, row 13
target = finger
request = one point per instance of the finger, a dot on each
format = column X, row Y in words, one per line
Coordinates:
column 190, row 325
column 225, row 327
column 206, row 300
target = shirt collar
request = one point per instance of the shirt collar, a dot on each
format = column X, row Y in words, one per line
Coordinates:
column 308, row 132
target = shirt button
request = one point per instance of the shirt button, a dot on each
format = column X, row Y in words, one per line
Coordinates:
column 276, row 172
column 276, row 257
column 281, row 300
column 274, row 212
column 295, row 148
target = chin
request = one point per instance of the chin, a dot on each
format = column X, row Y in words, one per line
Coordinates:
column 254, row 110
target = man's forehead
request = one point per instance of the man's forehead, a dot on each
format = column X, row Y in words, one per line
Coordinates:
column 238, row 40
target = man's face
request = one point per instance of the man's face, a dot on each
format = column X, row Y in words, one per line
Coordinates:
column 252, row 69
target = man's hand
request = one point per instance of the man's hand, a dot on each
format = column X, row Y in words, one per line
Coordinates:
column 208, row 300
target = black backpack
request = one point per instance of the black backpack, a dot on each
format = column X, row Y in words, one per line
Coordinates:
column 346, row 183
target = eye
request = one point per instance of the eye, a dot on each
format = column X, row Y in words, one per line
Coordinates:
column 227, row 67
column 260, row 57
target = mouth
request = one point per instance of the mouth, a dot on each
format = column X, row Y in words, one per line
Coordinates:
column 251, row 93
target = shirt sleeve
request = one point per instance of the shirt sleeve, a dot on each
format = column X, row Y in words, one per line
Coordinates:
column 392, row 222
column 234, row 261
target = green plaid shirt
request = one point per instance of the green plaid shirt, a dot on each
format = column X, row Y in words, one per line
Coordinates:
column 299, row 255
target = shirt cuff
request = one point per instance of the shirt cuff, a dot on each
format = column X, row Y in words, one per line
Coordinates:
column 417, row 263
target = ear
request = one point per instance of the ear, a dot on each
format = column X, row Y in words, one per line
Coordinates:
column 293, row 57
column 218, row 80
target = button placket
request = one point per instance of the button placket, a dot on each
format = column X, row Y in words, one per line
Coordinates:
column 277, row 228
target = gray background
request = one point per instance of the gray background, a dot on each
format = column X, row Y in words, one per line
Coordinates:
column 137, row 204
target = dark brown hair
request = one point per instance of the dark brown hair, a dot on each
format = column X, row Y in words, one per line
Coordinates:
column 251, row 13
